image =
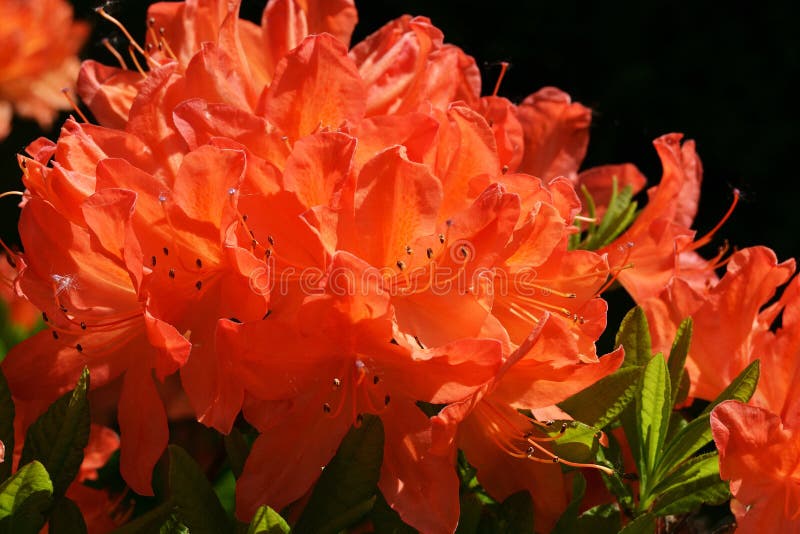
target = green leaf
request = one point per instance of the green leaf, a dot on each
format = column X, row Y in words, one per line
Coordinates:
column 687, row 498
column 152, row 521
column 602, row 402
column 698, row 432
column 601, row 518
column 516, row 514
column 66, row 518
column 268, row 521
column 695, row 468
column 6, row 426
column 612, row 457
column 644, row 524
column 653, row 409
column 25, row 499
column 619, row 215
column 567, row 523
column 192, row 495
column 57, row 438
column 346, row 489
column 677, row 357
column 634, row 335
column 384, row 519
column 469, row 519
column 173, row 525
column 578, row 443
column 238, row 449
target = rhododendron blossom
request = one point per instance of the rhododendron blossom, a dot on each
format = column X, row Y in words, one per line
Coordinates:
column 290, row 236
column 40, row 43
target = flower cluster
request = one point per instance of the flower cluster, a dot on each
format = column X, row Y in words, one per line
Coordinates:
column 39, row 42
column 309, row 233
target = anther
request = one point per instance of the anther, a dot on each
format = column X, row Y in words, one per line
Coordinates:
column 244, row 218
column 199, row 284
column 441, row 238
column 505, row 169
column 166, row 251
column 429, row 253
column 83, row 325
column 199, row 263
column 234, row 320
column 62, row 308
column 271, row 240
column 409, row 250
column 359, row 420
column 556, row 459
column 401, row 265
column 326, row 408
column 44, row 317
column 376, row 379
column 153, row 261
column 269, row 312
column 151, row 21
column 232, row 191
column 79, row 347
column 386, row 400
column 337, row 383
column 55, row 334
column 172, row 273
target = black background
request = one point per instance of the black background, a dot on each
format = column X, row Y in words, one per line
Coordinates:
column 718, row 72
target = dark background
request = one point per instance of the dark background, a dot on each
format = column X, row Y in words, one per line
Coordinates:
column 720, row 73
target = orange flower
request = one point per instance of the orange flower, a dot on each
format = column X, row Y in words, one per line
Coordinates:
column 21, row 313
column 760, row 454
column 39, row 41
column 660, row 242
column 731, row 324
column 340, row 358
column 229, row 163
column 84, row 278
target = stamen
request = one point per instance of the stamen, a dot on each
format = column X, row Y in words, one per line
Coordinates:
column 100, row 11
column 66, row 94
column 114, row 52
column 707, row 238
column 503, row 69
column 136, row 61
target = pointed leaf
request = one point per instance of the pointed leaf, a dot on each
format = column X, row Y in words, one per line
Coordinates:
column 268, row 521
column 677, row 357
column 195, row 501
column 66, row 518
column 384, row 519
column 348, row 482
column 173, row 525
column 567, row 523
column 634, row 335
column 6, row 426
column 578, row 443
column 516, row 514
column 24, row 499
column 644, row 524
column 601, row 518
column 695, row 468
column 237, row 448
column 469, row 520
column 698, row 432
column 690, row 496
column 151, row 521
column 57, row 438
column 602, row 402
column 653, row 409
